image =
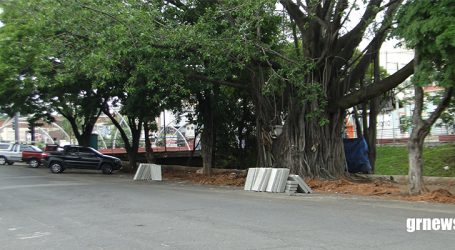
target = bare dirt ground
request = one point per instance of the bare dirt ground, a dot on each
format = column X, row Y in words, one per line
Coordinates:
column 375, row 188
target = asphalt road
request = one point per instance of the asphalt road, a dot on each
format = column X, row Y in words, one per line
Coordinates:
column 88, row 210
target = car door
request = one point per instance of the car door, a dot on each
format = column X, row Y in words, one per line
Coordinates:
column 88, row 158
column 16, row 154
column 71, row 158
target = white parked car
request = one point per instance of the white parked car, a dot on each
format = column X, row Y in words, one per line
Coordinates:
column 13, row 153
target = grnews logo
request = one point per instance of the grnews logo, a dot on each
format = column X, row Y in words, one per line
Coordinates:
column 430, row 224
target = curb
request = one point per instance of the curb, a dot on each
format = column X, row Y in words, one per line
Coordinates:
column 426, row 179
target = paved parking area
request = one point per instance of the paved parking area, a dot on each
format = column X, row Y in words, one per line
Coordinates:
column 88, row 210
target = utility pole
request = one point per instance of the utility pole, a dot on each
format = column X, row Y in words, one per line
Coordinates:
column 164, row 125
column 16, row 127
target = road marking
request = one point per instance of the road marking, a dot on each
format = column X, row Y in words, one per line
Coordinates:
column 43, row 185
column 34, row 235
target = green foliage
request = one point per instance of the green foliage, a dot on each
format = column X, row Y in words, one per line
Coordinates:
column 447, row 118
column 235, row 125
column 74, row 56
column 427, row 26
column 51, row 78
column 405, row 123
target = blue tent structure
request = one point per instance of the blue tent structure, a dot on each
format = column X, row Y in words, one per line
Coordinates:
column 356, row 152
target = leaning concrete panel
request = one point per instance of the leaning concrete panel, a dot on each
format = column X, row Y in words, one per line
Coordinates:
column 265, row 179
column 139, row 171
column 156, row 172
column 272, row 180
column 259, row 178
column 283, row 179
column 146, row 175
column 250, row 177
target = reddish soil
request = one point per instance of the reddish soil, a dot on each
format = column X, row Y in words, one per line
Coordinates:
column 381, row 188
column 377, row 188
column 224, row 179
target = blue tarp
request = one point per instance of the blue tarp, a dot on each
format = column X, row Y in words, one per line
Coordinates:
column 356, row 152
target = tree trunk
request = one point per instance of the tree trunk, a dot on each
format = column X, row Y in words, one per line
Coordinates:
column 207, row 150
column 415, row 150
column 372, row 132
column 420, row 129
column 208, row 133
column 374, row 110
column 84, row 138
column 309, row 149
column 148, row 145
column 263, row 110
column 136, row 129
column 358, row 126
column 136, row 125
column 264, row 145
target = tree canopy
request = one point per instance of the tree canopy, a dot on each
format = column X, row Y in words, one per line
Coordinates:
column 298, row 65
column 428, row 27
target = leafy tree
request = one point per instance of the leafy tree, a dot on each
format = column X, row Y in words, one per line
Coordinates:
column 231, row 33
column 427, row 27
column 311, row 143
column 315, row 84
column 137, row 64
column 217, row 54
column 42, row 73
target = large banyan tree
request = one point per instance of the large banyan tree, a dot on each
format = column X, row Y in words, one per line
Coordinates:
column 304, row 67
column 317, row 96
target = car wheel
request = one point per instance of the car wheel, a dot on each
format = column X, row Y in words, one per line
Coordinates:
column 56, row 167
column 107, row 168
column 34, row 163
column 2, row 160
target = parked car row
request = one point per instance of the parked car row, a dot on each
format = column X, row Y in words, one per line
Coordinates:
column 21, row 153
column 57, row 159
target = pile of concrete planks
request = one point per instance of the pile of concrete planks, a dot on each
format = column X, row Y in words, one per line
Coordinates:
column 266, row 179
column 274, row 180
column 291, row 186
column 147, row 171
column 302, row 187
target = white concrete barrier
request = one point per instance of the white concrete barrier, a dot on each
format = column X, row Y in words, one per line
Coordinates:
column 147, row 171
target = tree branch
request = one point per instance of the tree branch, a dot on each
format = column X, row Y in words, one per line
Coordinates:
column 374, row 46
column 441, row 106
column 215, row 81
column 299, row 17
column 351, row 40
column 374, row 90
column 339, row 10
column 119, row 127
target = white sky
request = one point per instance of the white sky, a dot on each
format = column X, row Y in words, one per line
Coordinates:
column 392, row 58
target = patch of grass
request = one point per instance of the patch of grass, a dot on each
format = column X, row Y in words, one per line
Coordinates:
column 393, row 160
